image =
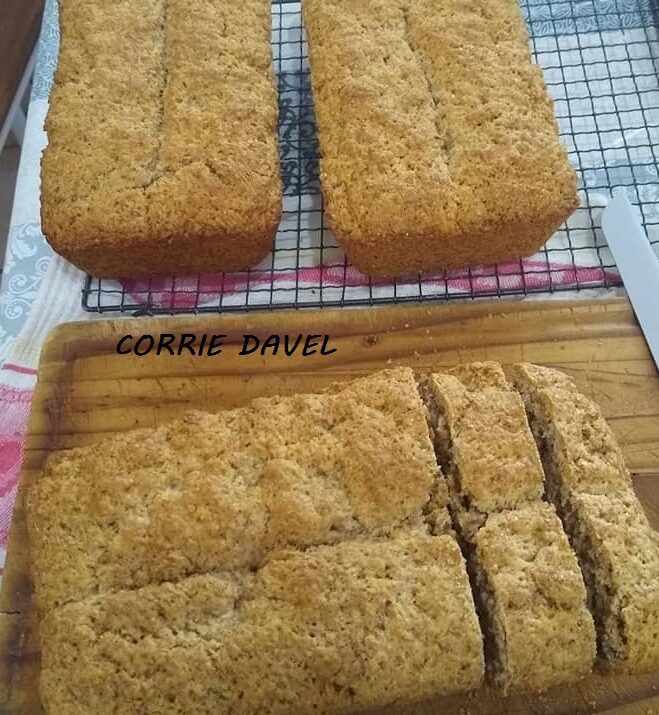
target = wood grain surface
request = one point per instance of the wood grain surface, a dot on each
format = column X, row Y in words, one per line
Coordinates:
column 87, row 391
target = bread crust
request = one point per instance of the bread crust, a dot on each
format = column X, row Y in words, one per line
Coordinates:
column 591, row 486
column 439, row 145
column 220, row 491
column 526, row 578
column 162, row 155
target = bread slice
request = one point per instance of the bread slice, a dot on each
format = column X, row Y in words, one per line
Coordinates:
column 215, row 492
column 330, row 629
column 580, row 452
column 483, row 441
column 162, row 152
column 439, row 146
column 591, row 486
column 533, row 600
column 529, row 591
column 619, row 554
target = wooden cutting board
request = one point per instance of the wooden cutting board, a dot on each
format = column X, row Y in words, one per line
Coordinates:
column 87, row 391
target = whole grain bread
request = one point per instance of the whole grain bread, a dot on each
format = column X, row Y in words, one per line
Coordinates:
column 619, row 553
column 307, row 539
column 483, row 441
column 162, row 154
column 327, row 630
column 438, row 139
column 533, row 595
column 217, row 492
column 586, row 457
column 528, row 587
column 592, row 489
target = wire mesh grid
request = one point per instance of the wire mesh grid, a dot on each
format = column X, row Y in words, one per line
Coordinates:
column 600, row 59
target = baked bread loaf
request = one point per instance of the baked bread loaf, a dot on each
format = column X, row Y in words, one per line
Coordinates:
column 528, row 586
column 592, row 489
column 162, row 154
column 297, row 554
column 293, row 555
column 438, row 140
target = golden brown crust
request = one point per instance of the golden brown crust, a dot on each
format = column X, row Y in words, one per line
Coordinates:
column 330, row 629
column 535, row 599
column 494, row 462
column 221, row 491
column 526, row 578
column 592, row 488
column 438, row 139
column 162, row 153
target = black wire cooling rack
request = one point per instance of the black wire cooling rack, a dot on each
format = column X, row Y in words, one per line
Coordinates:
column 601, row 62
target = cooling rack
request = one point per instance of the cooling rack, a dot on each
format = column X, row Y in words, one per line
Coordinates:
column 601, row 63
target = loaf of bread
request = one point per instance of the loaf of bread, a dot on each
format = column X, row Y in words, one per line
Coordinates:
column 329, row 629
column 438, row 140
column 592, row 489
column 162, row 154
column 219, row 492
column 298, row 554
column 528, row 585
column 293, row 555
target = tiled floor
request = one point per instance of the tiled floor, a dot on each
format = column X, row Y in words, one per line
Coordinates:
column 8, row 168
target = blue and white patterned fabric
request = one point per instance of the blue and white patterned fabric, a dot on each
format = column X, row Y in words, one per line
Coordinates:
column 28, row 254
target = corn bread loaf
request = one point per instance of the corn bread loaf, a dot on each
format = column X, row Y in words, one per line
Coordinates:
column 220, row 491
column 326, row 630
column 591, row 486
column 526, row 578
column 162, row 154
column 438, row 140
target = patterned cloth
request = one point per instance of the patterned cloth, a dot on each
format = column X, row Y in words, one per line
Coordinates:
column 598, row 58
